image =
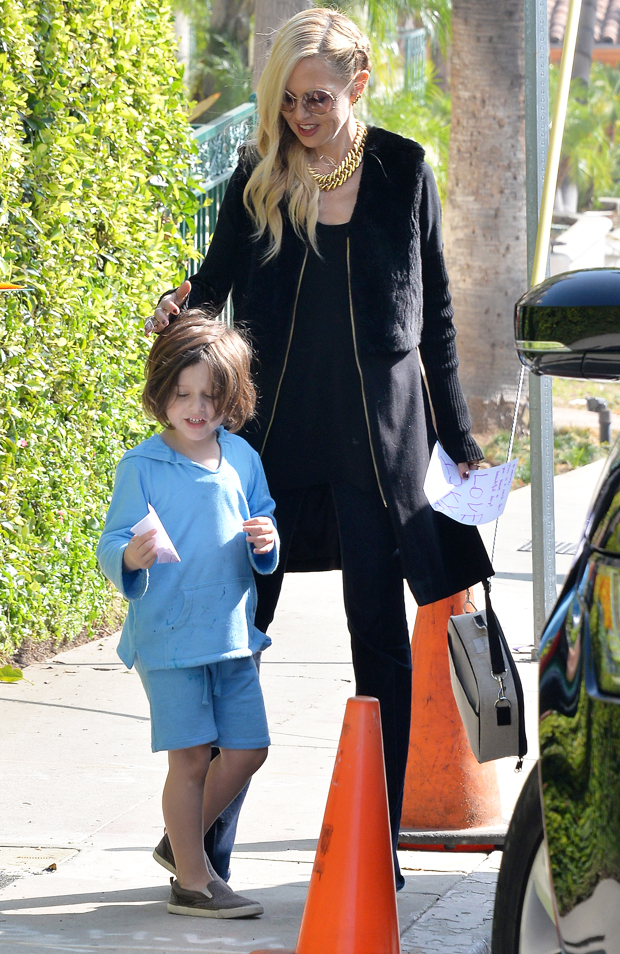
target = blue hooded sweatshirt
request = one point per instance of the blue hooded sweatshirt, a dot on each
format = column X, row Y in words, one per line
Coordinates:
column 200, row 610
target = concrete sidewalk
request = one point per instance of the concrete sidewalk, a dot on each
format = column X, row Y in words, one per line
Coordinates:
column 81, row 790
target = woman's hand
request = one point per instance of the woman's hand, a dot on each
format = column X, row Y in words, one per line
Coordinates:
column 466, row 466
column 261, row 533
column 140, row 553
column 169, row 305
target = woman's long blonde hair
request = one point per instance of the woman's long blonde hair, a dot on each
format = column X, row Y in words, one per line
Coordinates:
column 282, row 172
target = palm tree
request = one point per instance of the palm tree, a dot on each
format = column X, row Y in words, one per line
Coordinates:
column 485, row 235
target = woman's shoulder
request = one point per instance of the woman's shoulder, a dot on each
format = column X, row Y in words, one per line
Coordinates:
column 397, row 160
column 248, row 154
column 248, row 159
column 385, row 145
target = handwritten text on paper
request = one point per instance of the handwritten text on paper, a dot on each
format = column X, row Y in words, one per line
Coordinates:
column 479, row 499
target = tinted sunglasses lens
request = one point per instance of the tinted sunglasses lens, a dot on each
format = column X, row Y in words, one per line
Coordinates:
column 288, row 102
column 317, row 101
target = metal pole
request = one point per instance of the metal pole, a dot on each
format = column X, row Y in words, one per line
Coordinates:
column 540, row 391
column 541, row 177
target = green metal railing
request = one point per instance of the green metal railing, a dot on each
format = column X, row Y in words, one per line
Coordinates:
column 414, row 53
column 218, row 143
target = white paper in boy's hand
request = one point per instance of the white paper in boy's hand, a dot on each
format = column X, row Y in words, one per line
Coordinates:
column 479, row 499
column 165, row 549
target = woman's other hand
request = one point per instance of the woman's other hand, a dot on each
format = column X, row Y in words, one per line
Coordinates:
column 169, row 305
column 140, row 553
column 466, row 466
column 261, row 533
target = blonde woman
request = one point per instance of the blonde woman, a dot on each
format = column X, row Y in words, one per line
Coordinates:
column 329, row 239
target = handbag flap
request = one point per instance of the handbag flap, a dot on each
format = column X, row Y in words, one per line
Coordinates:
column 469, row 647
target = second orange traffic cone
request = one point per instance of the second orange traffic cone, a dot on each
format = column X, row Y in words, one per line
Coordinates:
column 446, row 789
column 351, row 903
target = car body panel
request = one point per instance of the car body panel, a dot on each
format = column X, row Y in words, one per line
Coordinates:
column 580, row 732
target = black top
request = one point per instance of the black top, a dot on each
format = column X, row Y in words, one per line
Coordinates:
column 319, row 432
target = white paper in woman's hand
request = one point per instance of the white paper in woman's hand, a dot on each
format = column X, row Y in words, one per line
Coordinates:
column 166, row 552
column 479, row 499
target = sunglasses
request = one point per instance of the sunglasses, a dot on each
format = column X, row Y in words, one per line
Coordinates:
column 316, row 101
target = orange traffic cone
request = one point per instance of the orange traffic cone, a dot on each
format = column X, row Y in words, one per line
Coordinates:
column 446, row 790
column 351, row 903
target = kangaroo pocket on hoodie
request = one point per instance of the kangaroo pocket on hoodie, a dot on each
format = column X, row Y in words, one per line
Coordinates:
column 215, row 616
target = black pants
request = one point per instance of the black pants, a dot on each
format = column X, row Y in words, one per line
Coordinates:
column 375, row 607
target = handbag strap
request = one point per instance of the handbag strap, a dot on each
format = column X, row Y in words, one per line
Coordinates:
column 511, row 442
column 495, row 647
column 498, row 665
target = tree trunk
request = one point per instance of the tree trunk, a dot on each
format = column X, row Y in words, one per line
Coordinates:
column 230, row 19
column 269, row 15
column 229, row 23
column 585, row 41
column 485, row 233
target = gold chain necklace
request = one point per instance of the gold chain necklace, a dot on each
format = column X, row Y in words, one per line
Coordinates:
column 348, row 165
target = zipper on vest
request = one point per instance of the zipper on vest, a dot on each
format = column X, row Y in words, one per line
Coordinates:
column 288, row 348
column 359, row 369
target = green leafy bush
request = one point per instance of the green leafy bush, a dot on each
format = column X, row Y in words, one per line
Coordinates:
column 572, row 447
column 94, row 144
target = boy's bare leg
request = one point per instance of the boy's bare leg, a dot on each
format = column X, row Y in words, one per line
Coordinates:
column 182, row 804
column 228, row 774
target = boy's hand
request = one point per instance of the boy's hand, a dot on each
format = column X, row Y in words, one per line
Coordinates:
column 261, row 532
column 140, row 553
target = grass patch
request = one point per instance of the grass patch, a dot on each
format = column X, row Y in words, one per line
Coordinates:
column 566, row 390
column 572, row 447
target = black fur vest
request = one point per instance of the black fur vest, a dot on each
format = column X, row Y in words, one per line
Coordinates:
column 386, row 274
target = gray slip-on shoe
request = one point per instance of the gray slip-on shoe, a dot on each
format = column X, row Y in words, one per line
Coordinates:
column 163, row 855
column 216, row 901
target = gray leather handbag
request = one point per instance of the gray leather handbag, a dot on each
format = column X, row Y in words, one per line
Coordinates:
column 486, row 684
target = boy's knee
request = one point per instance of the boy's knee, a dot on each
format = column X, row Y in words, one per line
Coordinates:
column 193, row 762
column 254, row 759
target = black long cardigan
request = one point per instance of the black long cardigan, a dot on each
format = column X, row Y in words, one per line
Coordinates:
column 401, row 310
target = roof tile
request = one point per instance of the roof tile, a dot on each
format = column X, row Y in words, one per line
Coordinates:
column 606, row 30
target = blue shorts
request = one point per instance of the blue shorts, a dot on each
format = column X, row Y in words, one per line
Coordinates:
column 221, row 704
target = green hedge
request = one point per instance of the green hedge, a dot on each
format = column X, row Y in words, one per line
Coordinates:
column 94, row 142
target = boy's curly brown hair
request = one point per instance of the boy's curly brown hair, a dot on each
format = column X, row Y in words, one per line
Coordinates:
column 195, row 337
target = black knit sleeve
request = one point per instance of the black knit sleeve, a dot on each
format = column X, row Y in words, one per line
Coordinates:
column 213, row 282
column 438, row 345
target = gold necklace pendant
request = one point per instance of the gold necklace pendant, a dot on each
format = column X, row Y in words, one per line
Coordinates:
column 348, row 165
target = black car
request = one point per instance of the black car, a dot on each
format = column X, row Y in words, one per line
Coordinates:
column 559, row 885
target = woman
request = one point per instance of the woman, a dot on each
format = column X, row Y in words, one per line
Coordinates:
column 329, row 238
